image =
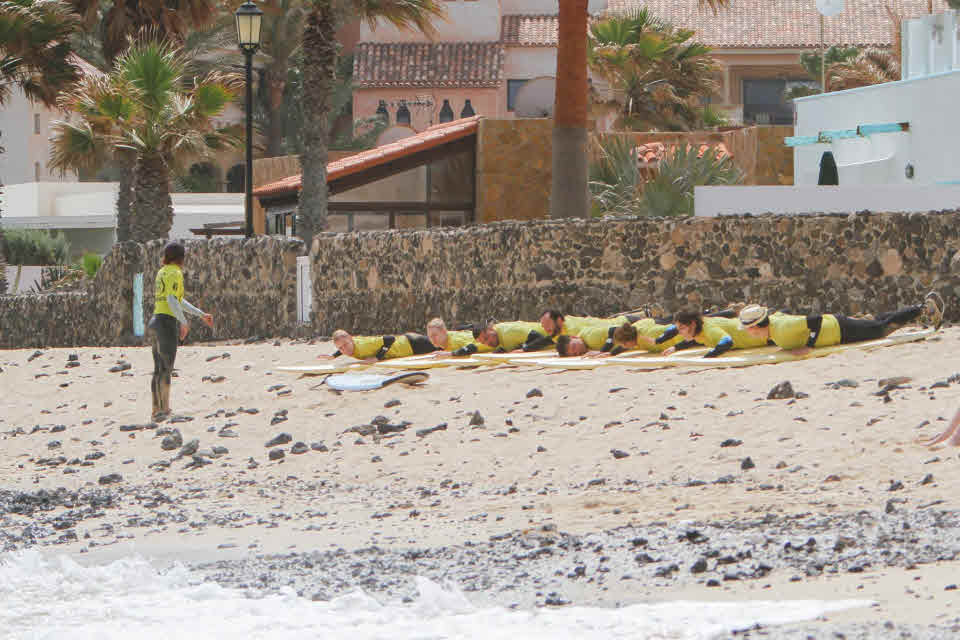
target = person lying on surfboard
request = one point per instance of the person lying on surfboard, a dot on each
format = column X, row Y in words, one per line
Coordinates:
column 643, row 334
column 511, row 336
column 595, row 340
column 950, row 437
column 719, row 333
column 800, row 334
column 373, row 348
column 453, row 343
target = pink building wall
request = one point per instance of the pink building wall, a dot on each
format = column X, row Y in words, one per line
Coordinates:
column 486, row 102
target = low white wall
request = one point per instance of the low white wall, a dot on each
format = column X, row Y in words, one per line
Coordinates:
column 717, row 201
column 28, row 277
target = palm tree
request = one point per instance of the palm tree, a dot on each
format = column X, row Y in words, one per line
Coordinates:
column 659, row 75
column 35, row 56
column 870, row 66
column 123, row 20
column 568, row 195
column 282, row 27
column 151, row 108
column 319, row 77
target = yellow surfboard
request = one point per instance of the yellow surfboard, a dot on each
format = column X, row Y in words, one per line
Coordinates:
column 321, row 369
column 515, row 357
column 431, row 363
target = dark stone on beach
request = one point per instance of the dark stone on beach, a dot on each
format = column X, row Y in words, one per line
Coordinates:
column 699, row 566
column 276, row 454
column 319, row 446
column 197, row 462
column 279, row 439
column 782, row 391
column 180, row 419
column 121, row 366
column 476, row 420
column 57, row 428
column 894, row 382
column 110, row 478
column 172, row 441
column 731, row 442
column 943, row 384
column 927, row 479
column 895, row 485
column 220, row 450
column 846, row 382
column 300, row 447
column 54, row 444
column 618, row 454
column 392, row 403
column 96, row 455
column 747, row 464
column 541, row 448
column 425, row 432
column 190, row 448
column 534, row 393
column 386, row 427
column 34, row 356
column 666, row 571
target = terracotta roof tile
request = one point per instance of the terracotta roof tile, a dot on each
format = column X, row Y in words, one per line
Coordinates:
column 529, row 31
column 428, row 139
column 652, row 153
column 439, row 64
column 769, row 24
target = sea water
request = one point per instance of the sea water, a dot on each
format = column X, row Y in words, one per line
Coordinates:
column 54, row 597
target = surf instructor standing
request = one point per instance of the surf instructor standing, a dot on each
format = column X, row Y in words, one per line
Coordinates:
column 168, row 326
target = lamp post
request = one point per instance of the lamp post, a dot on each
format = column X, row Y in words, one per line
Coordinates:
column 249, row 19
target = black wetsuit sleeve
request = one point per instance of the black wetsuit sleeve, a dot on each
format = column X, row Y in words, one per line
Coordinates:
column 617, row 350
column 686, row 344
column 723, row 346
column 466, row 350
column 336, row 354
column 608, row 344
column 814, row 324
column 387, row 343
column 670, row 333
column 536, row 341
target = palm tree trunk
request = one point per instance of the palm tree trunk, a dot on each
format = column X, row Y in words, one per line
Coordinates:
column 319, row 74
column 124, row 201
column 568, row 195
column 3, row 255
column 276, row 80
column 152, row 209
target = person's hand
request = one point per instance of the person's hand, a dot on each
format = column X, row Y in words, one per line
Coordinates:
column 184, row 330
column 325, row 356
column 516, row 351
column 441, row 354
column 208, row 320
column 599, row 354
column 802, row 351
column 669, row 351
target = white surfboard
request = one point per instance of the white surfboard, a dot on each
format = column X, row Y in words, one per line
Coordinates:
column 368, row 381
column 320, row 369
column 431, row 363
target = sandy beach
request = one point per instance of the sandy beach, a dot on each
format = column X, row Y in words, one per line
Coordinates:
column 604, row 488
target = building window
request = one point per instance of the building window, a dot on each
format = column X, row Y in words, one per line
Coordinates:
column 468, row 111
column 512, row 87
column 446, row 112
column 382, row 111
column 403, row 114
column 235, row 182
column 36, row 172
column 36, row 123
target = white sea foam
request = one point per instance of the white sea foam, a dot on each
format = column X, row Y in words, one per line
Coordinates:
column 55, row 598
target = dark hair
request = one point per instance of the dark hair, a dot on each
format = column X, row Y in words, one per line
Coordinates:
column 763, row 323
column 554, row 314
column 173, row 253
column 563, row 343
column 625, row 333
column 690, row 316
column 480, row 327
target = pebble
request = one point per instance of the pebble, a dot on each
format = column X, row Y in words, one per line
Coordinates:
column 121, row 366
column 279, row 439
column 731, row 442
column 425, row 432
column 534, row 393
column 618, row 454
column 172, row 441
column 276, row 454
column 391, row 403
column 476, row 420
column 782, row 391
column 110, row 478
column 319, row 446
column 190, row 448
column 300, row 447
column 747, row 464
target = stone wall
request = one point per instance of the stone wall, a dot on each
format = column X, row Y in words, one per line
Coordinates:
column 248, row 285
column 395, row 281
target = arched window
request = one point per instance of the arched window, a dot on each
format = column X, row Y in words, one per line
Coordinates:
column 468, row 111
column 446, row 112
column 201, row 178
column 235, row 179
column 403, row 114
column 382, row 111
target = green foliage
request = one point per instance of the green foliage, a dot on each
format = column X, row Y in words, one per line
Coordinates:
column 615, row 182
column 618, row 188
column 834, row 55
column 800, row 91
column 49, row 276
column 91, row 264
column 670, row 193
column 712, row 117
column 36, row 247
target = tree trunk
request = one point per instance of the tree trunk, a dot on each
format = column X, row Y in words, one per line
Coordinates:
column 319, row 74
column 276, row 80
column 3, row 255
column 152, row 209
column 124, row 201
column 568, row 193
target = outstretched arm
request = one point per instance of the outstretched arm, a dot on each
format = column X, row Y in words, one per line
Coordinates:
column 537, row 342
column 725, row 344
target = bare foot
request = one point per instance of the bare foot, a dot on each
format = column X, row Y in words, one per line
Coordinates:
column 951, row 436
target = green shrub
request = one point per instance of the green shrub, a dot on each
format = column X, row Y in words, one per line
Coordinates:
column 670, row 193
column 36, row 247
column 614, row 180
column 91, row 264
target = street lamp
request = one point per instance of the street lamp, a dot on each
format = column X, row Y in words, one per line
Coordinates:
column 249, row 19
